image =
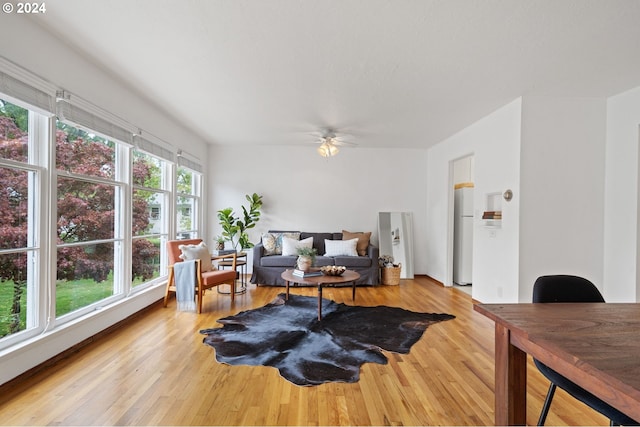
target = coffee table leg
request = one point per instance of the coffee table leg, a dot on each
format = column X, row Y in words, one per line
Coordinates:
column 287, row 285
column 353, row 294
column 319, row 302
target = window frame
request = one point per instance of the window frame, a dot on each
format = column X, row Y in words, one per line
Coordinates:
column 165, row 226
column 118, row 181
column 196, row 196
column 37, row 227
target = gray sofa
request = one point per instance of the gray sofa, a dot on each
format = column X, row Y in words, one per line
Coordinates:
column 268, row 268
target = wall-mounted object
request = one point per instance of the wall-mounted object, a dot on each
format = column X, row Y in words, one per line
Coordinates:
column 492, row 214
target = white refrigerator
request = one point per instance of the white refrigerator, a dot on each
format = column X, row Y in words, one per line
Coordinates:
column 463, row 236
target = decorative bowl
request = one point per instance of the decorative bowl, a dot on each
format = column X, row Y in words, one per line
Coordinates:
column 333, row 270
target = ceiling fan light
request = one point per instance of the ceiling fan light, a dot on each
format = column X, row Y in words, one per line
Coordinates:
column 327, row 149
column 323, row 150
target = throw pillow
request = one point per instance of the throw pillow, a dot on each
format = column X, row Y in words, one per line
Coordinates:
column 290, row 246
column 363, row 240
column 272, row 242
column 340, row 247
column 199, row 251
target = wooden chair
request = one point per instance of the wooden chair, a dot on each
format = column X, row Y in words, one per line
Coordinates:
column 206, row 279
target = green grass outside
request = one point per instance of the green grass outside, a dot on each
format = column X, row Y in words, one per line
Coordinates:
column 70, row 296
column 6, row 299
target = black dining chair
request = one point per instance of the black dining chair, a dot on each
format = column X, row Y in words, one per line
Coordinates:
column 571, row 289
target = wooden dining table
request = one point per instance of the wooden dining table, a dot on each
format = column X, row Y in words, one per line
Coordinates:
column 595, row 345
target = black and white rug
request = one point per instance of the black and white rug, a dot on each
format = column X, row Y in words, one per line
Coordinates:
column 288, row 336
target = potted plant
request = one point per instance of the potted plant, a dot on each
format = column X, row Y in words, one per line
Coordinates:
column 234, row 229
column 306, row 258
column 219, row 242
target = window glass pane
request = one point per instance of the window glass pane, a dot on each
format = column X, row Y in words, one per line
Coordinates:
column 186, row 213
column 14, row 208
column 187, row 235
column 150, row 220
column 17, row 222
column 146, row 259
column 14, row 132
column 85, row 276
column 147, row 170
column 184, row 181
column 83, row 153
column 85, row 210
column 13, row 293
column 148, row 212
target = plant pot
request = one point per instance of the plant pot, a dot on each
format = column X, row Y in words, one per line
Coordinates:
column 304, row 263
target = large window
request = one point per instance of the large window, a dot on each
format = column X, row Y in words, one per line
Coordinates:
column 86, row 207
column 19, row 222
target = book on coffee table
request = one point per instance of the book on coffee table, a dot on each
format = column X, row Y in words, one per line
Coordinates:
column 303, row 274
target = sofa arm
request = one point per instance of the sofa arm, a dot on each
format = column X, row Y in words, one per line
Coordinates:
column 257, row 254
column 373, row 252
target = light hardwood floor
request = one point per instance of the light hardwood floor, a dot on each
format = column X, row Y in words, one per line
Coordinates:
column 155, row 370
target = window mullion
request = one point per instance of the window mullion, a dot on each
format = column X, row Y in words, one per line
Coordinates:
column 122, row 249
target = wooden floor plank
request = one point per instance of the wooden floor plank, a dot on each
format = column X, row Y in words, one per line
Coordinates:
column 156, row 371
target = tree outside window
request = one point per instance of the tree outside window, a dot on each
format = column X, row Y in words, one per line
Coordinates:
column 14, row 219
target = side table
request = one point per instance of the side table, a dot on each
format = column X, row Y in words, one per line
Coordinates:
column 241, row 268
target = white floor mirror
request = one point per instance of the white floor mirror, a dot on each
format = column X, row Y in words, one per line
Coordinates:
column 395, row 238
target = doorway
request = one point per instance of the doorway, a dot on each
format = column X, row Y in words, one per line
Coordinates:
column 463, row 222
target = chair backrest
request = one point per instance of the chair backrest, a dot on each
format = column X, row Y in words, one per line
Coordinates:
column 565, row 288
column 174, row 250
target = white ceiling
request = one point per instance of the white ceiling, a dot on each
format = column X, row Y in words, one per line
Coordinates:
column 403, row 73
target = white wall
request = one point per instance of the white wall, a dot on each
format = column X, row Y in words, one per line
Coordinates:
column 27, row 45
column 621, row 198
column 44, row 55
column 495, row 143
column 562, row 189
column 302, row 191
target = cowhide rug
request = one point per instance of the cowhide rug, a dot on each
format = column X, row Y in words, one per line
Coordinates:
column 287, row 335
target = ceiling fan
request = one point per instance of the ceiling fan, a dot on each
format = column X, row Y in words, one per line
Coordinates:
column 330, row 143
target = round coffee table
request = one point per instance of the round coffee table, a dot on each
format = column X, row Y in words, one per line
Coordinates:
column 320, row 282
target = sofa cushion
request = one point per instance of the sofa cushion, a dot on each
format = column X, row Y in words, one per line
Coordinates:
column 353, row 261
column 290, row 246
column 272, row 241
column 340, row 247
column 363, row 240
column 321, row 261
column 278, row 261
column 318, row 240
